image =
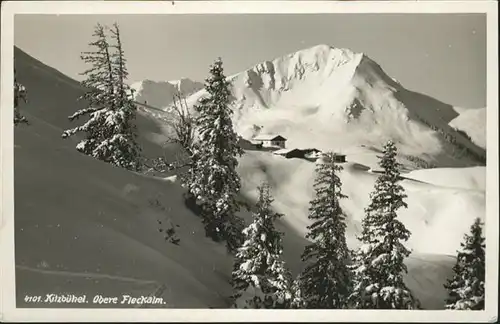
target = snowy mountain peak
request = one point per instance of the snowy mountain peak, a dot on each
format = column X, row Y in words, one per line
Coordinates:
column 322, row 59
column 333, row 98
column 321, row 54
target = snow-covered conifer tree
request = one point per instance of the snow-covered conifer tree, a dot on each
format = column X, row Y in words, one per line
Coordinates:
column 99, row 83
column 379, row 262
column 214, row 181
column 109, row 132
column 466, row 288
column 260, row 278
column 19, row 95
column 326, row 281
column 126, row 151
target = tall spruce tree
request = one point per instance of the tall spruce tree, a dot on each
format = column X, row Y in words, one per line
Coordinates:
column 125, row 133
column 466, row 288
column 258, row 272
column 99, row 83
column 109, row 134
column 19, row 95
column 214, row 181
column 326, row 281
column 379, row 262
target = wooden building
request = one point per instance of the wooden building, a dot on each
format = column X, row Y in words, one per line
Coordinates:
column 277, row 141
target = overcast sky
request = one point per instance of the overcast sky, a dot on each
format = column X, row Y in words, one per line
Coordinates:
column 442, row 55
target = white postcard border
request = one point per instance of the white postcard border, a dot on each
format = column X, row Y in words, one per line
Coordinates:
column 8, row 310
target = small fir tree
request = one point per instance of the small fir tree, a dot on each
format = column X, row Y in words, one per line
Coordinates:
column 257, row 265
column 213, row 179
column 325, row 282
column 110, row 136
column 466, row 287
column 99, row 83
column 379, row 262
column 20, row 94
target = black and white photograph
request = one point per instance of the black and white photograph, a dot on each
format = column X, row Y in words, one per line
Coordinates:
column 207, row 159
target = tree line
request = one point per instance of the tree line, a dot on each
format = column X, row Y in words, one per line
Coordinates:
column 370, row 277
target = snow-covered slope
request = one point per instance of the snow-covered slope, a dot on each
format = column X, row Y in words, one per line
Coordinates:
column 85, row 227
column 473, row 178
column 439, row 206
column 441, row 213
column 473, row 123
column 334, row 99
column 159, row 94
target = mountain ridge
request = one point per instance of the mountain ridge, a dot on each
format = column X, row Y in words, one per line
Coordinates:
column 160, row 94
column 343, row 94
